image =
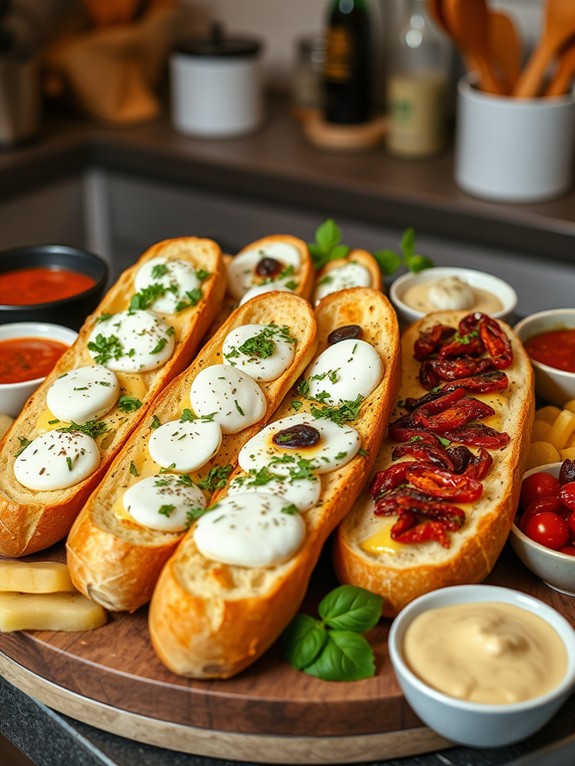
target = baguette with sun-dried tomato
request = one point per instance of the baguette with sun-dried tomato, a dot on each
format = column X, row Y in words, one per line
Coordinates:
column 442, row 498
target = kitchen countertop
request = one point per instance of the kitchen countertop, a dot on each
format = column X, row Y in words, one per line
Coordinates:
column 277, row 163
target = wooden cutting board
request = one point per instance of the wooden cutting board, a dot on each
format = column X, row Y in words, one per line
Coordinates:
column 271, row 713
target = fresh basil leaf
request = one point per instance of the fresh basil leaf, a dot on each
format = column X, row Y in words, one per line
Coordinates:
column 388, row 261
column 417, row 263
column 341, row 251
column 408, row 242
column 346, row 656
column 328, row 235
column 350, row 608
column 305, row 638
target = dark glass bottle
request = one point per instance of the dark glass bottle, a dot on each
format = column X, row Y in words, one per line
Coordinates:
column 347, row 68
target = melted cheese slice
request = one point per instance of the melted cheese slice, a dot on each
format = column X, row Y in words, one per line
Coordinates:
column 49, row 611
column 233, row 398
column 344, row 371
column 249, row 529
column 337, row 445
column 280, row 285
column 178, row 278
column 348, row 275
column 132, row 341
column 381, row 541
column 241, row 271
column 264, row 352
column 57, row 460
column 166, row 502
column 185, row 446
column 83, row 394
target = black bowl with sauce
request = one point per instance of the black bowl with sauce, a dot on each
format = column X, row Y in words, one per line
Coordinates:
column 70, row 311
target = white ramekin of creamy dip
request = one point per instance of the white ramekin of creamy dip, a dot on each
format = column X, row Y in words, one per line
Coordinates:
column 511, row 651
column 445, row 288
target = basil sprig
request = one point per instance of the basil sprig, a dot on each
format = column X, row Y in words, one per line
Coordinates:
column 332, row 648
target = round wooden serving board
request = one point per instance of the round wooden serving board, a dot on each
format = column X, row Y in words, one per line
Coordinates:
column 270, row 713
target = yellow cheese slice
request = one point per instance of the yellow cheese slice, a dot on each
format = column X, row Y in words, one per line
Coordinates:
column 381, row 541
column 34, row 576
column 49, row 611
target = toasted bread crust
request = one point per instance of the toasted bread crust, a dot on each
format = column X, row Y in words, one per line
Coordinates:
column 211, row 620
column 32, row 520
column 416, row 569
column 116, row 561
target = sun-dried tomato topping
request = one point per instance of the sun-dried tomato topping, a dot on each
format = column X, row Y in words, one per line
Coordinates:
column 411, row 499
column 496, row 342
column 431, row 340
column 483, row 383
column 462, row 412
column 479, row 465
column 438, row 404
column 478, row 435
column 401, row 433
column 447, row 485
column 454, row 369
column 469, row 323
column 466, row 345
column 406, row 521
column 428, row 377
column 460, row 457
column 424, row 532
column 388, row 479
column 424, row 453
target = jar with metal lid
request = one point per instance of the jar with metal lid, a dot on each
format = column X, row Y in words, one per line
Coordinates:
column 216, row 88
column 307, row 84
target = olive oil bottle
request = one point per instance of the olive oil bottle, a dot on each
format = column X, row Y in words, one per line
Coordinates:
column 347, row 68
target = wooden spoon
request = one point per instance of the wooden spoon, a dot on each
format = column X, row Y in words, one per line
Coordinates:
column 562, row 80
column 435, row 10
column 559, row 26
column 505, row 47
column 468, row 21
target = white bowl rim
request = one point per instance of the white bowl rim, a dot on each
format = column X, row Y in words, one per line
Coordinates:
column 545, row 468
column 35, row 330
column 543, row 315
column 509, row 299
column 490, row 593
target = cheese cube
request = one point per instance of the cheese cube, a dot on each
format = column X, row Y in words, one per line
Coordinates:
column 49, row 611
column 34, row 576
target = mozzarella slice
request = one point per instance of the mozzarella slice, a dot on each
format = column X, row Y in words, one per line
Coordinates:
column 242, row 270
column 450, row 293
column 264, row 352
column 178, row 278
column 336, row 446
column 131, row 341
column 185, row 446
column 344, row 371
column 350, row 274
column 166, row 502
column 233, row 398
column 57, row 460
column 83, row 394
column 268, row 287
column 249, row 530
column 303, row 493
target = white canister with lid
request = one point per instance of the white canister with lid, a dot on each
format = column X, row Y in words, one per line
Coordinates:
column 216, row 88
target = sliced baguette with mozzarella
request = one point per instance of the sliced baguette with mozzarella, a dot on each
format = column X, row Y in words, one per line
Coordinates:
column 211, row 619
column 364, row 552
column 358, row 269
column 32, row 519
column 114, row 559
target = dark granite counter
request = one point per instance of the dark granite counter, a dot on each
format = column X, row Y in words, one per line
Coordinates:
column 276, row 164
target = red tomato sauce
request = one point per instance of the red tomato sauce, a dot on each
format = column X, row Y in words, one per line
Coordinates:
column 25, row 287
column 555, row 348
column 28, row 358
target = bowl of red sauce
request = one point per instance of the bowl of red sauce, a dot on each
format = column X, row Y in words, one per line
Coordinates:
column 549, row 339
column 50, row 283
column 28, row 352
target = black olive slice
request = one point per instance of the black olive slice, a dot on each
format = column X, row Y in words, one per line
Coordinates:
column 300, row 435
column 347, row 332
column 269, row 267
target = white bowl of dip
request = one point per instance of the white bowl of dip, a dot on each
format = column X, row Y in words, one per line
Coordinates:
column 488, row 654
column 444, row 288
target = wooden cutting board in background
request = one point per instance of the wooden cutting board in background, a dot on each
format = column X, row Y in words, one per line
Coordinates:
column 112, row 679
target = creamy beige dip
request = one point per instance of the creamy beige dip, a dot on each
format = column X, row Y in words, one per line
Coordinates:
column 485, row 652
column 450, row 293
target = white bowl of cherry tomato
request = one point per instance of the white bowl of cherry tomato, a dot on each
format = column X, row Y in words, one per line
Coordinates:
column 543, row 535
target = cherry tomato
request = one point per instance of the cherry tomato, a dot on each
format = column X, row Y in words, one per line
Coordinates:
column 548, row 529
column 551, row 504
column 567, row 495
column 571, row 524
column 538, row 484
column 570, row 551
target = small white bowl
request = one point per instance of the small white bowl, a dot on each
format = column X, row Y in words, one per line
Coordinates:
column 475, row 279
column 553, row 385
column 557, row 570
column 472, row 723
column 14, row 395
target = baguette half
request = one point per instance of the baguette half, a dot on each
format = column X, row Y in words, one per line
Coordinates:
column 32, row 520
column 402, row 572
column 211, row 620
column 116, row 561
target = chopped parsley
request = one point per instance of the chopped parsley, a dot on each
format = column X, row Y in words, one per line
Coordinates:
column 166, row 510
column 129, row 403
column 344, row 413
column 216, row 478
column 93, row 428
column 24, row 442
column 133, row 469
column 155, row 422
column 105, row 348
